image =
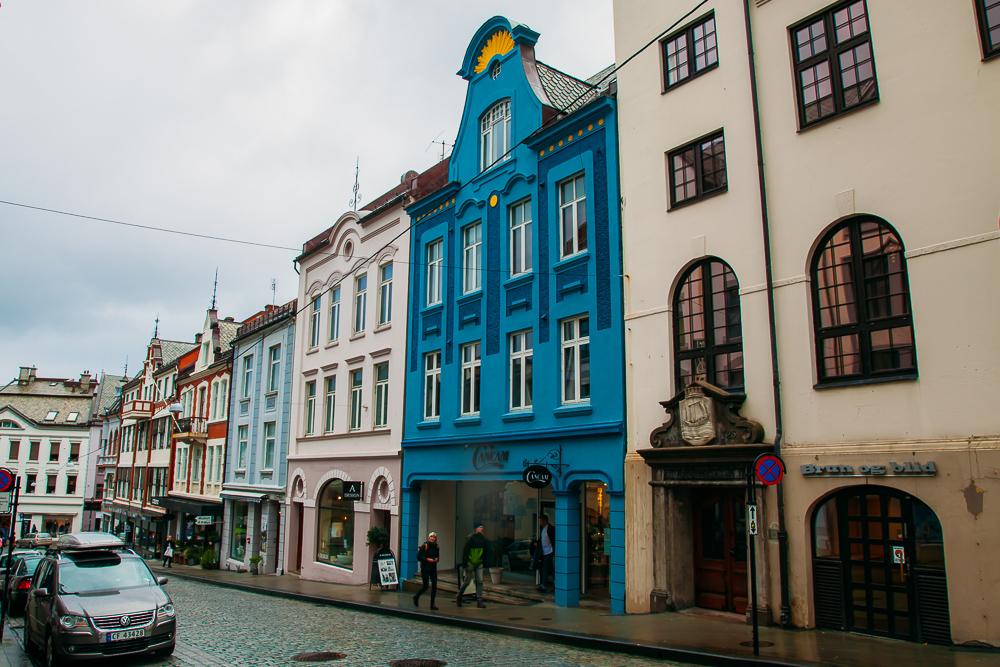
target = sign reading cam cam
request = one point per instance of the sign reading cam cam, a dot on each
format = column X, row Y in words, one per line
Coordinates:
column 906, row 469
column 488, row 458
column 537, row 476
column 704, row 414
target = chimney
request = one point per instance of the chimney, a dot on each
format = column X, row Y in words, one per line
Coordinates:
column 85, row 382
column 197, row 338
column 26, row 375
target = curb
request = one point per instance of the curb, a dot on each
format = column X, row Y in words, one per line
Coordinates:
column 691, row 656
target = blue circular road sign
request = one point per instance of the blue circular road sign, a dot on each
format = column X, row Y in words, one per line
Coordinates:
column 6, row 480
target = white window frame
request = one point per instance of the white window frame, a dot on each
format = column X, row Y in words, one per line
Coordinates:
column 273, row 367
column 314, row 320
column 329, row 403
column 215, row 400
column 242, row 438
column 432, row 386
column 223, row 397
column 247, row 375
column 573, row 345
column 182, row 464
column 270, row 443
column 357, row 394
column 494, row 131
column 381, row 400
column 520, row 230
column 360, row 302
column 472, row 257
column 385, row 272
column 334, row 332
column 309, row 408
column 196, row 469
column 471, row 375
column 521, row 358
column 572, row 209
column 435, row 264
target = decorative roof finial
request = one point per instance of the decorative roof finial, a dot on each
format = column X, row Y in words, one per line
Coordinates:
column 357, row 195
column 215, row 287
column 156, row 326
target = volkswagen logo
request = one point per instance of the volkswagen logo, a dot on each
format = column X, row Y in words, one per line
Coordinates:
column 124, row 621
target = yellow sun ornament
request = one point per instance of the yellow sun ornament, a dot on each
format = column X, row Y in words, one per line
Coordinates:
column 498, row 44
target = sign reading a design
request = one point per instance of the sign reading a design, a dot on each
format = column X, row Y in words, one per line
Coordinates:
column 486, row 457
column 537, row 476
column 354, row 490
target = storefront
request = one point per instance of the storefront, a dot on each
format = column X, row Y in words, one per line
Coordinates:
column 192, row 522
column 452, row 488
column 252, row 527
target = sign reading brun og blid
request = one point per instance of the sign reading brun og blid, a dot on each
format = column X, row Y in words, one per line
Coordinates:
column 892, row 469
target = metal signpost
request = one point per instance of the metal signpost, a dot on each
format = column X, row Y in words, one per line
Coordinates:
column 8, row 481
column 768, row 469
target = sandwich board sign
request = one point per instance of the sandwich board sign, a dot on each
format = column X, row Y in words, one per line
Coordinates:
column 387, row 570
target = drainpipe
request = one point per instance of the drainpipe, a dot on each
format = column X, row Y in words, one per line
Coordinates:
column 769, row 278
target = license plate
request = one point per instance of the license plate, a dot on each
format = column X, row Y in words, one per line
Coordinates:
column 126, row 634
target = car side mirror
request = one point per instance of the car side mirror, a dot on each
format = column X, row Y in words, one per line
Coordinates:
column 42, row 592
column 162, row 581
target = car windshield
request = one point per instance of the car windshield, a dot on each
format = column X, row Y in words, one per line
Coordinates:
column 30, row 565
column 87, row 573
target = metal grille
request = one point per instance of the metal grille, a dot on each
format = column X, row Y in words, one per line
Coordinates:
column 828, row 578
column 136, row 620
column 932, row 598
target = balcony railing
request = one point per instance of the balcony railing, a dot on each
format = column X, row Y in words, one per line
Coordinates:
column 137, row 409
column 192, row 427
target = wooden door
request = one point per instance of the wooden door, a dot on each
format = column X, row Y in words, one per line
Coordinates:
column 720, row 550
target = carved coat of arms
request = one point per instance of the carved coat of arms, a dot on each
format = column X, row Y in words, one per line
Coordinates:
column 703, row 414
column 697, row 415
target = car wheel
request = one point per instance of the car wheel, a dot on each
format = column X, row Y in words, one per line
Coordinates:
column 52, row 658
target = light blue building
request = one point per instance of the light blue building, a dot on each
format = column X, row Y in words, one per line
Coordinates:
column 260, row 408
column 515, row 330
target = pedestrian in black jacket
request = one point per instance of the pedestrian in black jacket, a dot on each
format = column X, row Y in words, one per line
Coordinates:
column 544, row 556
column 475, row 556
column 428, row 556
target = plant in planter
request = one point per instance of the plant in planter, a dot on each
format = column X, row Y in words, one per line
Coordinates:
column 377, row 537
column 209, row 560
column 192, row 555
column 255, row 561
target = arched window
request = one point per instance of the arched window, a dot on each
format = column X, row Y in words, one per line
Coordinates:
column 861, row 304
column 708, row 338
column 495, row 132
column 335, row 526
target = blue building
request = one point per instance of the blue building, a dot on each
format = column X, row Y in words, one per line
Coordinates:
column 515, row 334
column 253, row 490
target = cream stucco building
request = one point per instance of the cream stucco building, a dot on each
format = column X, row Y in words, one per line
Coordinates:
column 832, row 197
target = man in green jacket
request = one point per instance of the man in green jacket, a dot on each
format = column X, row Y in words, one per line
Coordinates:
column 474, row 558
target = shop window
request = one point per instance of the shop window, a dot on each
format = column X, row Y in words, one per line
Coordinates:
column 861, row 304
column 335, row 538
column 708, row 338
column 238, row 541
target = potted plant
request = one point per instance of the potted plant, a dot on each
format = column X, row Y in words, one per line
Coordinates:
column 255, row 561
column 377, row 537
column 192, row 554
column 208, row 560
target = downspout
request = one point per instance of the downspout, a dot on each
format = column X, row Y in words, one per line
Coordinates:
column 786, row 612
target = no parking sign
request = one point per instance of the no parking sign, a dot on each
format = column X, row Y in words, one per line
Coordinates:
column 769, row 469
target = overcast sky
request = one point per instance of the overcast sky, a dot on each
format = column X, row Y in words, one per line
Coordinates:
column 229, row 117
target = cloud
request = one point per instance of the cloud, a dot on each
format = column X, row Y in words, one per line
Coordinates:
column 233, row 118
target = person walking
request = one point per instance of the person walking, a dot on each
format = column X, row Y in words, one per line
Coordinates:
column 545, row 553
column 474, row 557
column 428, row 556
column 168, row 552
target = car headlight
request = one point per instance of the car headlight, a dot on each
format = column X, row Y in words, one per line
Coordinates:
column 71, row 622
column 166, row 610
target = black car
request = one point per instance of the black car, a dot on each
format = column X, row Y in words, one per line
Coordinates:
column 517, row 555
column 22, row 570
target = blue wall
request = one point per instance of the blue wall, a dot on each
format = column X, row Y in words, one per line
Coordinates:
column 591, row 435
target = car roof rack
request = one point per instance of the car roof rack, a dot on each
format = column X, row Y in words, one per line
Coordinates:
column 84, row 541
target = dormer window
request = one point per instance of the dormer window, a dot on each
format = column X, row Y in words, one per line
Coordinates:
column 51, row 415
column 495, row 134
column 73, row 416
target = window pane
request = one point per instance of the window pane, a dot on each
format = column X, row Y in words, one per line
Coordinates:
column 841, row 356
column 683, row 175
column 857, row 73
column 817, row 92
column 676, row 54
column 569, row 374
column 705, row 49
column 713, row 164
column 850, row 22
column 835, row 282
column 810, row 40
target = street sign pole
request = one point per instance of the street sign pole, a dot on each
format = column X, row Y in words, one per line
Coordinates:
column 752, row 537
column 10, row 552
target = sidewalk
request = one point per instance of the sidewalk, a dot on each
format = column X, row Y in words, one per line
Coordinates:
column 685, row 637
column 11, row 654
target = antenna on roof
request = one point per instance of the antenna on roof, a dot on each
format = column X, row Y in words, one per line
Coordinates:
column 156, row 326
column 125, row 372
column 442, row 143
column 215, row 287
column 274, row 291
column 357, row 195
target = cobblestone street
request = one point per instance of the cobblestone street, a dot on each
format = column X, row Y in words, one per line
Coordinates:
column 224, row 627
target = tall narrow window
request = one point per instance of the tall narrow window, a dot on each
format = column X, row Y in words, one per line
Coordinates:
column 520, row 238
column 495, row 129
column 223, row 397
column 471, row 368
column 33, row 450
column 432, row 385
column 54, row 448
column 241, row 447
column 314, row 321
column 273, row 367
column 247, row 375
column 71, row 485
column 215, row 400
column 360, row 302
column 472, row 257
column 381, row 418
column 576, row 360
column 861, row 304
column 330, row 404
column 834, row 67
column 689, row 52
column 310, row 408
column 988, row 12
column 698, row 169
column 196, row 464
column 708, row 340
column 269, row 442
column 357, row 380
column 15, row 450
column 520, row 370
column 573, row 216
column 435, row 261
column 334, row 333
column 385, row 294
column 74, row 452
